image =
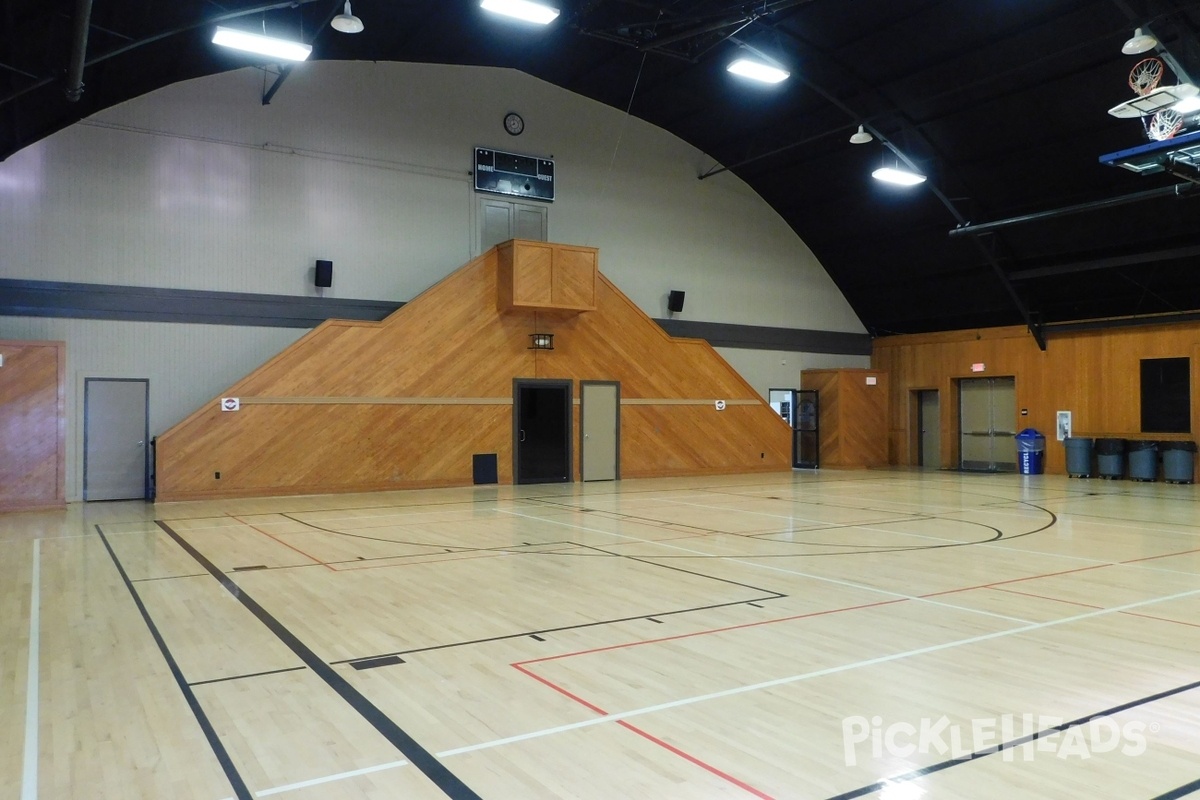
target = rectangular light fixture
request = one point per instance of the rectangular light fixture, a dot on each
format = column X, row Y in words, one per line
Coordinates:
column 261, row 45
column 758, row 71
column 541, row 341
column 522, row 10
column 900, row 177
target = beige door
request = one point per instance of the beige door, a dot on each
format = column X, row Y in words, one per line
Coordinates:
column 987, row 422
column 600, row 435
column 115, row 430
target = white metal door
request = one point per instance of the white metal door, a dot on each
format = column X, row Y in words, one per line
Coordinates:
column 115, row 430
column 601, row 430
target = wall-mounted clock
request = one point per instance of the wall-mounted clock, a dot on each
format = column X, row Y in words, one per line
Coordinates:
column 513, row 124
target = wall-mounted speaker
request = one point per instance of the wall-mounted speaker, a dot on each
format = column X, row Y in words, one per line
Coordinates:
column 324, row 274
column 675, row 301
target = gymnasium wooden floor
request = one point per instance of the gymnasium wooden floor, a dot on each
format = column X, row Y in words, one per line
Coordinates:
column 827, row 635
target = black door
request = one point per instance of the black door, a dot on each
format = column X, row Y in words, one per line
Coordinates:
column 542, row 431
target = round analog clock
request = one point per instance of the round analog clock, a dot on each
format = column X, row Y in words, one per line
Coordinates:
column 514, row 124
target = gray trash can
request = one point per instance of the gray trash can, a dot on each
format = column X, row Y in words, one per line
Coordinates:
column 1079, row 456
column 1143, row 460
column 1110, row 458
column 1179, row 462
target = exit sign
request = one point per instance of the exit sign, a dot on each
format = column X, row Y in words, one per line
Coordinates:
column 977, row 367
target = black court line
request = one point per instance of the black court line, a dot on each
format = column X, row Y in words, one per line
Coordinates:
column 1182, row 791
column 170, row 577
column 417, row 755
column 247, row 675
column 766, row 594
column 231, row 773
column 1024, row 740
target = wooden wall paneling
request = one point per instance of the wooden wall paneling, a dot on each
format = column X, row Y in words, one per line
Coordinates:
column 853, row 416
column 574, row 279
column 32, row 425
column 1094, row 374
column 406, row 402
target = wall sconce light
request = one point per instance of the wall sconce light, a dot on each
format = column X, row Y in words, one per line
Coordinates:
column 541, row 341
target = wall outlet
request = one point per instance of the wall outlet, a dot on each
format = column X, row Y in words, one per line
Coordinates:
column 217, row 475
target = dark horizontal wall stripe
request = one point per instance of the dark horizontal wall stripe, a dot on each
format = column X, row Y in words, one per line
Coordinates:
column 147, row 304
column 755, row 337
column 21, row 298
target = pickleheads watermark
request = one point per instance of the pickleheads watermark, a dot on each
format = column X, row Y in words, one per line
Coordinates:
column 1011, row 735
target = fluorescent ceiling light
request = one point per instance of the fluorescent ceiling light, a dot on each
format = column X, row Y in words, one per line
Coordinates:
column 522, row 9
column 899, row 177
column 262, row 45
column 1187, row 105
column 758, row 71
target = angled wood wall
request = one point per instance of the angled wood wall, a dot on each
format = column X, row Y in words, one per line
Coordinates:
column 32, row 425
column 1096, row 375
column 403, row 403
column 852, row 416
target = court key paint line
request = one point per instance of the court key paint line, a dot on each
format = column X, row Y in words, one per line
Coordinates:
column 29, row 772
column 737, row 690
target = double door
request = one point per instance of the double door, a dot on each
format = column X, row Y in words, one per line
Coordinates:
column 987, row 415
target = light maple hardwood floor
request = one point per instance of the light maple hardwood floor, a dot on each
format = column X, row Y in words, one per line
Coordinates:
column 809, row 635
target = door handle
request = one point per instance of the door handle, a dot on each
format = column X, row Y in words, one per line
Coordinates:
column 522, row 437
column 142, row 443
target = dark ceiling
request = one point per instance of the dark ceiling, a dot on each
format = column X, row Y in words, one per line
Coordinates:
column 1002, row 103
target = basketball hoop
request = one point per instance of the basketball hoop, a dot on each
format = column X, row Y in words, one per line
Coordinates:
column 1164, row 125
column 1145, row 75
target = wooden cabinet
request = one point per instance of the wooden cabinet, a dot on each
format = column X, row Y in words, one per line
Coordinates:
column 543, row 276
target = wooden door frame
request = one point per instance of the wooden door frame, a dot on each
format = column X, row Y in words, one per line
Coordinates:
column 564, row 383
column 145, row 434
column 617, row 465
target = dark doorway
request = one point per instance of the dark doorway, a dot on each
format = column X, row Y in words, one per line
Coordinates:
column 541, row 431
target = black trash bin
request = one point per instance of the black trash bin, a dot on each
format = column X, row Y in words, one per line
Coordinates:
column 1079, row 456
column 1110, row 458
column 1143, row 460
column 1179, row 462
column 1031, row 452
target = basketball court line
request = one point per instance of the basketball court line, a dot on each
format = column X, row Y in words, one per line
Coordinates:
column 239, row 787
column 449, row 783
column 1182, row 791
column 354, row 773
column 29, row 770
column 837, row 581
column 737, row 690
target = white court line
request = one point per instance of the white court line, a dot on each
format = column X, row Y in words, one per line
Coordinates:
column 687, row 701
column 329, row 778
column 29, row 774
column 733, row 560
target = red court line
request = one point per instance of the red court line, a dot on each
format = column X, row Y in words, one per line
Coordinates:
column 310, row 557
column 1044, row 597
column 1018, row 580
column 703, row 765
column 669, row 747
column 561, row 690
column 1164, row 555
column 641, row 642
column 1088, row 605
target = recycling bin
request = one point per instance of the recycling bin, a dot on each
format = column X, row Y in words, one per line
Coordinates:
column 1031, row 452
column 1110, row 458
column 1143, row 460
column 1179, row 462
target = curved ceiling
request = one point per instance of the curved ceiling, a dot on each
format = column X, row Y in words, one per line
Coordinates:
column 1002, row 104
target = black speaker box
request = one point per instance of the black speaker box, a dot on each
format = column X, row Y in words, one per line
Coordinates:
column 324, row 274
column 675, row 301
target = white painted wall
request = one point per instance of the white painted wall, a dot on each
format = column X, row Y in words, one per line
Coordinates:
column 199, row 186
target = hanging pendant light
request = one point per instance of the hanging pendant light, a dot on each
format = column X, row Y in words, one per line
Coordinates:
column 346, row 22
